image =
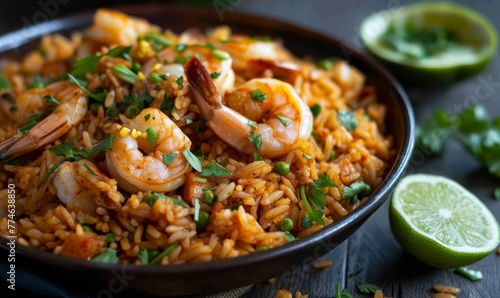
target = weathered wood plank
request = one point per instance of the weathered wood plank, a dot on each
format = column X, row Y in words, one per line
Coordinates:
column 308, row 280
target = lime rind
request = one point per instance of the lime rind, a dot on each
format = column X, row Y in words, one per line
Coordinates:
column 458, row 234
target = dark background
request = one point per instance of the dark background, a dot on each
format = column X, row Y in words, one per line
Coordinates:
column 373, row 248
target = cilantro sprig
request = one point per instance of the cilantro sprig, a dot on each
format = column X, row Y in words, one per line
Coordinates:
column 356, row 191
column 474, row 129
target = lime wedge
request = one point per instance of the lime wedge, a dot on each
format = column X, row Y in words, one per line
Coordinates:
column 473, row 42
column 440, row 222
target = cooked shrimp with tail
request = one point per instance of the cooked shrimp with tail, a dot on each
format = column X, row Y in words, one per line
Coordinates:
column 69, row 105
column 266, row 116
column 82, row 186
column 137, row 157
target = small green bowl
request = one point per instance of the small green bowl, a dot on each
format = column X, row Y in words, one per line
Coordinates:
column 468, row 27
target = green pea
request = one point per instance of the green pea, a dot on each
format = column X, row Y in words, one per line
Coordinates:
column 203, row 220
column 209, row 196
column 282, row 168
column 332, row 156
column 315, row 110
column 261, row 248
column 136, row 67
column 286, row 225
column 37, row 84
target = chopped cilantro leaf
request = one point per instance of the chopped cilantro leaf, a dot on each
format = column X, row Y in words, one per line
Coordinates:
column 348, row 120
column 169, row 157
column 258, row 95
column 214, row 170
column 192, row 159
column 256, row 140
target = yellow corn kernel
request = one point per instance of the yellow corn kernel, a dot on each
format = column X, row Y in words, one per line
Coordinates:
column 143, row 49
column 141, row 76
column 144, row 135
column 124, row 132
column 135, row 133
column 118, row 126
column 156, row 67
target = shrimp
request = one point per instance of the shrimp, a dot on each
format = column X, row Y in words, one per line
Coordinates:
column 148, row 171
column 70, row 111
column 214, row 64
column 115, row 28
column 82, row 186
column 279, row 120
column 244, row 49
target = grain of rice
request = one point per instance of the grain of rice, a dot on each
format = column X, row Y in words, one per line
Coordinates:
column 322, row 264
column 446, row 289
column 378, row 294
column 443, row 295
column 226, row 192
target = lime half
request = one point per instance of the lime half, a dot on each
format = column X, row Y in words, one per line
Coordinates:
column 440, row 222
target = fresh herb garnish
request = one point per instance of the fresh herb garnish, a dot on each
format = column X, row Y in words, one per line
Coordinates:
column 341, row 293
column 97, row 96
column 289, row 237
column 348, row 120
column 252, row 124
column 89, row 63
column 496, row 193
column 181, row 60
column 152, row 136
column 169, row 157
column 165, row 253
column 102, row 146
column 262, row 38
column 179, row 81
column 110, row 237
column 108, row 256
column 432, row 136
column 143, row 256
column 306, row 222
column 256, row 140
column 133, row 104
column 214, row 170
column 215, row 75
column 38, row 82
column 86, row 229
column 192, row 159
column 352, row 274
column 257, row 157
column 327, row 63
column 356, row 191
column 284, row 120
column 418, row 42
column 51, row 100
column 151, row 197
column 90, row 169
column 367, row 288
column 180, row 47
column 124, row 73
column 473, row 275
column 317, row 193
column 219, row 55
column 158, row 42
column 147, row 117
column 4, row 84
column 154, row 78
column 258, row 95
column 315, row 215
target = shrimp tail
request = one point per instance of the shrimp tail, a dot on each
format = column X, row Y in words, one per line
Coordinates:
column 37, row 137
column 204, row 91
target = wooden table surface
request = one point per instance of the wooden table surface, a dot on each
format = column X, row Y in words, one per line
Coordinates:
column 372, row 248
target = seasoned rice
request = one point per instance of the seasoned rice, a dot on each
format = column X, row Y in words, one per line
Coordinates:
column 249, row 202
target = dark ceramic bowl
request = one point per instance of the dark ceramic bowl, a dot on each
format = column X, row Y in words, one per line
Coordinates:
column 225, row 274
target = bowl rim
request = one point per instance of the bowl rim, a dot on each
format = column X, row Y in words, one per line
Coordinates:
column 375, row 200
column 464, row 12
